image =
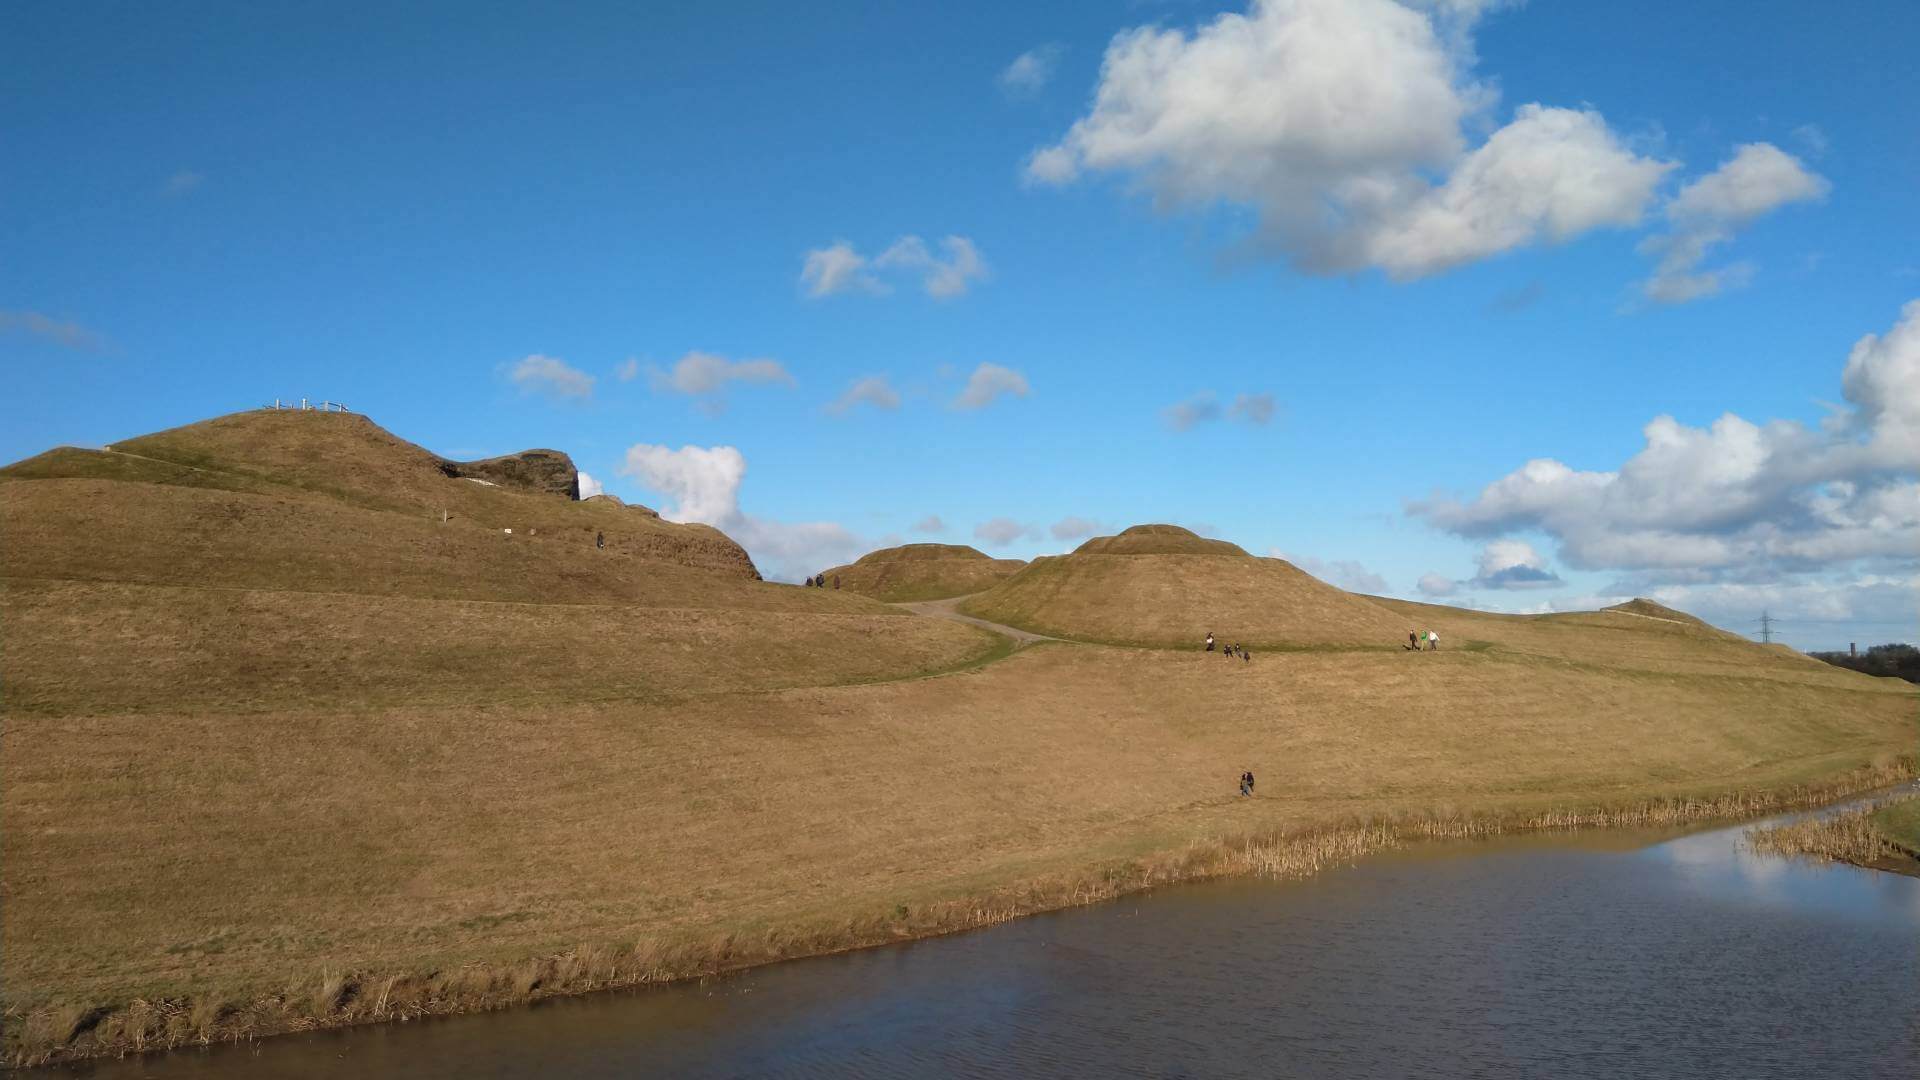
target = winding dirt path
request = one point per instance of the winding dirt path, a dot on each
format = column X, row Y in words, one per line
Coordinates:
column 950, row 609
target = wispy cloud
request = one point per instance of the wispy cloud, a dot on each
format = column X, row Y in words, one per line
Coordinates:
column 1002, row 531
column 1204, row 407
column 1185, row 415
column 1759, row 179
column 1255, row 409
column 839, row 268
column 989, row 383
column 706, row 376
column 835, row 269
column 64, row 333
column 182, row 183
column 872, row 391
column 550, row 376
column 1030, row 71
column 1075, row 528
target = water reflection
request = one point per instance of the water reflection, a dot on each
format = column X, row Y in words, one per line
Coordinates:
column 1590, row 955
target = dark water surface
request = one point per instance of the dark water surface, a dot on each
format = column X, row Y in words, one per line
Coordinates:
column 1595, row 955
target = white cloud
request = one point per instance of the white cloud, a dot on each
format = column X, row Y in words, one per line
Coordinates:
column 1001, row 531
column 181, row 183
column 873, row 390
column 1737, row 502
column 987, row 384
column 589, row 487
column 551, row 376
column 707, row 375
column 1882, row 380
column 837, row 268
column 1204, row 407
column 1513, row 564
column 1813, row 138
column 1708, row 212
column 840, row 268
column 1330, row 118
column 1551, row 174
column 628, row 370
column 942, row 278
column 1255, row 409
column 703, row 484
column 1347, row 574
column 930, row 524
column 1437, row 585
column 1075, row 528
column 67, row 334
column 1030, row 71
column 1199, row 409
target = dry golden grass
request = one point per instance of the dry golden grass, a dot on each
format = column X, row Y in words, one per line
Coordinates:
column 1872, row 836
column 80, row 647
column 293, row 756
column 56, row 1032
column 915, row 572
column 1174, row 599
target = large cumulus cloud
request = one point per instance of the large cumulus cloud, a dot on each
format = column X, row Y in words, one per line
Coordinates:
column 1736, row 508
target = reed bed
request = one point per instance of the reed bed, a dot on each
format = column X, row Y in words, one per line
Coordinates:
column 1853, row 836
column 330, row 999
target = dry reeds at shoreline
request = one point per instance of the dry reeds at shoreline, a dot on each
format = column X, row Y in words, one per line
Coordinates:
column 331, row 999
column 1851, row 836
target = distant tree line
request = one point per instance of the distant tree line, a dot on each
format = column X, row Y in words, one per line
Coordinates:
column 1900, row 660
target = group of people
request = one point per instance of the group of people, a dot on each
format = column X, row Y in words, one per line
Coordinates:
column 1415, row 637
column 1246, row 782
column 821, row 582
column 1231, row 651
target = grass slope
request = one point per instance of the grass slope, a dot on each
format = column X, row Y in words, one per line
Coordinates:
column 1162, row 585
column 914, row 572
column 267, row 727
column 252, row 560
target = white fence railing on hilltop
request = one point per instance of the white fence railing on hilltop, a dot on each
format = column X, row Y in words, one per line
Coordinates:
column 309, row 406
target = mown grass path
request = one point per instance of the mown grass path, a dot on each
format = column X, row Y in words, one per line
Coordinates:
column 949, row 609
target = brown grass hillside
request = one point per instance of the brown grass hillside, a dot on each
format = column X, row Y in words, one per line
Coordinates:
column 913, row 572
column 281, row 744
column 1162, row 585
column 247, row 561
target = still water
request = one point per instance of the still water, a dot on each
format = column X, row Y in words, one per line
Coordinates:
column 1595, row 955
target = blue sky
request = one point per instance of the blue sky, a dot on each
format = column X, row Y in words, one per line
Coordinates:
column 1312, row 275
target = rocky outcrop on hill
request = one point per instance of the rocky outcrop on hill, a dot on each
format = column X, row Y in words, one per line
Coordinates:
column 604, row 499
column 547, row 472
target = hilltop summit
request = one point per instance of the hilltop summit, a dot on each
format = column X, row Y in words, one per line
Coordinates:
column 1158, row 540
column 913, row 572
column 1165, row 585
column 334, row 501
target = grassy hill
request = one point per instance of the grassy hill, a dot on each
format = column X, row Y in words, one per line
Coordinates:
column 1162, row 585
column 296, row 734
column 922, row 572
column 253, row 560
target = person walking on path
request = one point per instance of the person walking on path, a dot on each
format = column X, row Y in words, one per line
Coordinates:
column 599, row 540
column 1249, row 781
column 1433, row 641
column 1209, row 641
column 1245, row 655
column 1413, row 641
column 1246, row 784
